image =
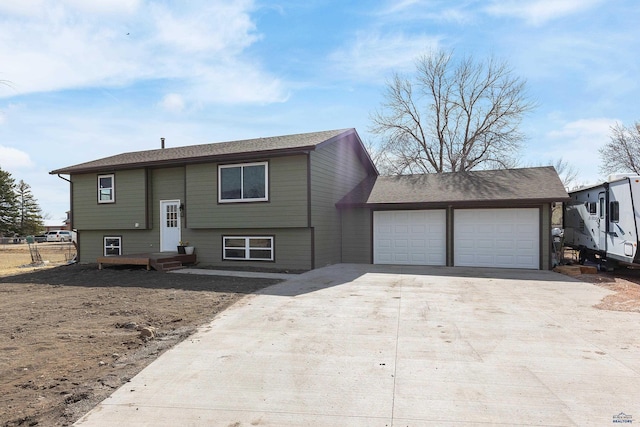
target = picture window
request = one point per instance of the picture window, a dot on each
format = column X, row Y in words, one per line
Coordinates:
column 246, row 182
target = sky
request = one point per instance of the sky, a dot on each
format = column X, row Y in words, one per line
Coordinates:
column 90, row 79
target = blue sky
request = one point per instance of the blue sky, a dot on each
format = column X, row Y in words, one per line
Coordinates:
column 90, row 79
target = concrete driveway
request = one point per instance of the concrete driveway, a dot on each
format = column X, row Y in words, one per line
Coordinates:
column 363, row 345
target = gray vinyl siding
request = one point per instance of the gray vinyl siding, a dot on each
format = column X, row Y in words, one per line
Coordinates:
column 357, row 236
column 91, row 242
column 335, row 170
column 129, row 207
column 292, row 246
column 287, row 205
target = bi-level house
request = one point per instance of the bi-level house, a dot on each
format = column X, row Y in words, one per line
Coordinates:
column 261, row 200
column 304, row 201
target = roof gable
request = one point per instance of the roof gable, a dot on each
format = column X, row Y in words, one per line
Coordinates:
column 540, row 184
column 230, row 150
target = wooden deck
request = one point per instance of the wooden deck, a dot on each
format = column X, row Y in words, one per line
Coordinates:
column 161, row 261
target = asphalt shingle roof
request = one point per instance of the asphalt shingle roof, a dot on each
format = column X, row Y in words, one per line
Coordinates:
column 540, row 184
column 194, row 153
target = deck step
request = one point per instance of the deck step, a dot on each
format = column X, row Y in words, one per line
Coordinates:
column 168, row 265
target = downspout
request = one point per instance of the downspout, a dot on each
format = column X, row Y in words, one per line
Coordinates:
column 70, row 199
column 76, row 243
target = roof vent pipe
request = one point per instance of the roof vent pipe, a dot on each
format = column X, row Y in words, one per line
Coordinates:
column 162, row 143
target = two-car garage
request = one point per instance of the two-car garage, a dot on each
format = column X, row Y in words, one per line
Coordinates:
column 503, row 237
column 491, row 218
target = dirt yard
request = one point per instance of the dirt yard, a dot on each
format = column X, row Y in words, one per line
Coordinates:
column 70, row 335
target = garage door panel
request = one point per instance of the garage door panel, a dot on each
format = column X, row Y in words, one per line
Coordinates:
column 497, row 238
column 484, row 244
column 505, row 245
column 416, row 237
column 526, row 245
column 418, row 244
column 506, row 228
column 385, row 243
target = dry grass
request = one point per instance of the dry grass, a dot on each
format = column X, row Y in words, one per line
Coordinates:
column 16, row 259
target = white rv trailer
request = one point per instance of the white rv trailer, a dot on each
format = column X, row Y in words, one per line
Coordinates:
column 602, row 221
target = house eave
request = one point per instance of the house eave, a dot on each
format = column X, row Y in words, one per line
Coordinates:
column 233, row 157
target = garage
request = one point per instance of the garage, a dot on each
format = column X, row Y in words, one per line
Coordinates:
column 489, row 218
column 506, row 238
column 410, row 237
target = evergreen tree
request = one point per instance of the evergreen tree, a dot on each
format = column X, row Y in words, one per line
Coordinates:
column 9, row 211
column 30, row 219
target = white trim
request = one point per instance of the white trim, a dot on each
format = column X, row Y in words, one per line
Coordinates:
column 119, row 246
column 242, row 199
column 247, row 248
column 113, row 188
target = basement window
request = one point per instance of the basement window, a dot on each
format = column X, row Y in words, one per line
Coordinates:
column 248, row 248
column 112, row 245
column 106, row 188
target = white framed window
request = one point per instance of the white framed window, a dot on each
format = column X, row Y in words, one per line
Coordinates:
column 248, row 248
column 112, row 245
column 246, row 182
column 106, row 188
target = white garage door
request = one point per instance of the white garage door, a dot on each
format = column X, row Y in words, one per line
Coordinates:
column 409, row 237
column 507, row 238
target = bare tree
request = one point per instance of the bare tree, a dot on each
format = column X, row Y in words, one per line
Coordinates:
column 566, row 171
column 451, row 116
column 622, row 153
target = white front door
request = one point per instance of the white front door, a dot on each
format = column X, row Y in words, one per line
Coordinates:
column 169, row 225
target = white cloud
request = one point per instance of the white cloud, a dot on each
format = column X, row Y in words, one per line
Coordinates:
column 71, row 44
column 585, row 131
column 537, row 12
column 432, row 10
column 13, row 159
column 106, row 7
column 173, row 102
column 220, row 27
column 373, row 55
column 578, row 143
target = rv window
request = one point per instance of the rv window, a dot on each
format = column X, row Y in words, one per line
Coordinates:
column 614, row 212
column 592, row 208
column 601, row 208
